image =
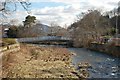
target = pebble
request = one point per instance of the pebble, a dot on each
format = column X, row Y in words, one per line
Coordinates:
column 94, row 71
column 84, row 65
column 112, row 74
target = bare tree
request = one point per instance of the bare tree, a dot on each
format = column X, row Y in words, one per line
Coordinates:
column 89, row 28
column 7, row 6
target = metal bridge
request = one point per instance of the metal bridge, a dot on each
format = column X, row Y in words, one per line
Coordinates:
column 47, row 40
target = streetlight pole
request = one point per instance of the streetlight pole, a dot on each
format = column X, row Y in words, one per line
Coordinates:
column 116, row 23
column 117, row 13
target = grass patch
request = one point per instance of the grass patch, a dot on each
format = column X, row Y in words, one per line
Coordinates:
column 8, row 41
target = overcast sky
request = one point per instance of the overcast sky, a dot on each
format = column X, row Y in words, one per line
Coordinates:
column 62, row 11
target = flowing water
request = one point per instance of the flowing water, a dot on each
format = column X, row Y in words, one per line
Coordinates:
column 103, row 65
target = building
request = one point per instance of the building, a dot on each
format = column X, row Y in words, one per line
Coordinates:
column 3, row 31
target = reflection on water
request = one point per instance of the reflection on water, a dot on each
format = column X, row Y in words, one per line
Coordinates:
column 103, row 65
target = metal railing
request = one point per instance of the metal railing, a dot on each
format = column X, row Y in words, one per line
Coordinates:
column 44, row 38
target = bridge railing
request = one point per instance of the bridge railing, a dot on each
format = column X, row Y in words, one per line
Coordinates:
column 33, row 39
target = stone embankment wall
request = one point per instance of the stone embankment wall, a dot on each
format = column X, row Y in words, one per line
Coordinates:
column 106, row 48
column 10, row 48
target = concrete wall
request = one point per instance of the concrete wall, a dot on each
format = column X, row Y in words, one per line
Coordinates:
column 108, row 49
column 10, row 48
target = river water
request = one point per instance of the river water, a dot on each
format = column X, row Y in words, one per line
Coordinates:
column 103, row 65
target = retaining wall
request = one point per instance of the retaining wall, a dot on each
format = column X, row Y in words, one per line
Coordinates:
column 108, row 49
column 10, row 48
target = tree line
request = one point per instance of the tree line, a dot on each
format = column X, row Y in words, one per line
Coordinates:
column 33, row 28
column 93, row 25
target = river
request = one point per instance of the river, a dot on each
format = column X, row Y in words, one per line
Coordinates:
column 103, row 65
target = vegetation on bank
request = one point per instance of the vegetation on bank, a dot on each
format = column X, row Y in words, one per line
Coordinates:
column 8, row 41
column 91, row 27
column 40, row 62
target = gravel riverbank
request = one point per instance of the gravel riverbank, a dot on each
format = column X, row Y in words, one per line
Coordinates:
column 40, row 62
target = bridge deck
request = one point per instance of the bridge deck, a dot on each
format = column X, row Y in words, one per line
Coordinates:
column 44, row 38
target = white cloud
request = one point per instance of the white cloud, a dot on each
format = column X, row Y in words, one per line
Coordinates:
column 19, row 16
column 61, row 14
column 62, row 1
column 104, row 4
column 67, row 14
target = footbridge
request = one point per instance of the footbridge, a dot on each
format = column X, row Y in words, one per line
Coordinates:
column 52, row 40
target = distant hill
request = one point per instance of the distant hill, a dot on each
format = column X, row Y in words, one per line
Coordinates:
column 41, row 29
column 45, row 30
